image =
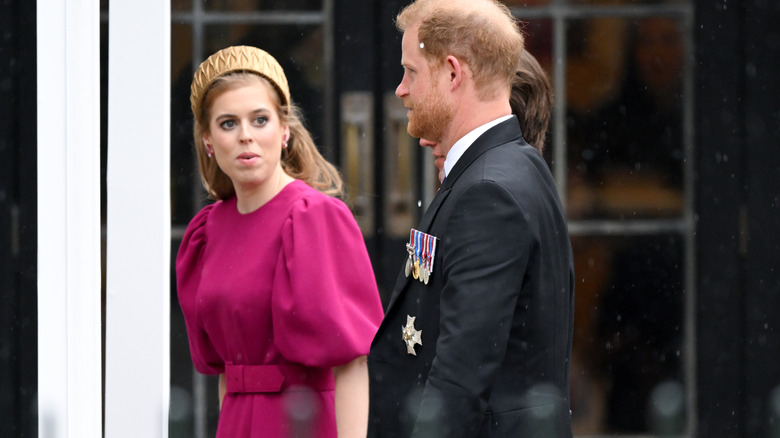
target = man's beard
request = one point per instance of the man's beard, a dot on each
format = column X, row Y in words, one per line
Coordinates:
column 431, row 117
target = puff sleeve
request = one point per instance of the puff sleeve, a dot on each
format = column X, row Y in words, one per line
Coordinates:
column 189, row 266
column 325, row 305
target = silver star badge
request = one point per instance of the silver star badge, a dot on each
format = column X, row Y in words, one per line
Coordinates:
column 410, row 335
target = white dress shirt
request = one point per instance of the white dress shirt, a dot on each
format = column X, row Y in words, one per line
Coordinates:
column 460, row 146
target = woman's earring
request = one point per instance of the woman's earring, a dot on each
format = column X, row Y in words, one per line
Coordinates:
column 209, row 152
column 284, row 142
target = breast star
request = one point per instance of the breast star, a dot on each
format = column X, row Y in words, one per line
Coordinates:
column 411, row 336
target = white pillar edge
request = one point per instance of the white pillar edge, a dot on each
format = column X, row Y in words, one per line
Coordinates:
column 68, row 179
column 138, row 283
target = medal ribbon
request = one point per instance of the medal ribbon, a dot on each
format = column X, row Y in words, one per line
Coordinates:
column 424, row 247
column 432, row 253
column 418, row 245
column 425, row 251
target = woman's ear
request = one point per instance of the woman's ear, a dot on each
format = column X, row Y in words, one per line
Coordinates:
column 285, row 136
column 207, row 144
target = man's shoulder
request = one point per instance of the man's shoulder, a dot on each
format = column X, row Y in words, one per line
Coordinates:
column 510, row 159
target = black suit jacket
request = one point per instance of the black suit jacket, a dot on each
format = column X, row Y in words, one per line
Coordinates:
column 496, row 315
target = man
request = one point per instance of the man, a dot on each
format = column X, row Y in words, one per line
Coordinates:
column 531, row 102
column 477, row 334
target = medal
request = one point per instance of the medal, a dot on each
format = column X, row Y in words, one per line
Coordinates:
column 410, row 335
column 408, row 267
column 424, row 258
column 430, row 251
column 422, row 250
column 431, row 256
column 417, row 254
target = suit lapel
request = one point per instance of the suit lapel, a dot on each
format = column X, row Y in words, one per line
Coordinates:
column 506, row 131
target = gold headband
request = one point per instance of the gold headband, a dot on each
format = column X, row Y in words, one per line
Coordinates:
column 236, row 58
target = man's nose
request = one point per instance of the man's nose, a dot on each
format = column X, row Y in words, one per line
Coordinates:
column 402, row 90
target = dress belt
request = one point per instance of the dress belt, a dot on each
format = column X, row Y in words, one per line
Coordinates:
column 276, row 378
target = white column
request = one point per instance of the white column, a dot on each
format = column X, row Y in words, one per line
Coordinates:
column 69, row 305
column 138, row 235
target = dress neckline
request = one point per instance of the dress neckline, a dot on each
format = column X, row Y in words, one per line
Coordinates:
column 283, row 194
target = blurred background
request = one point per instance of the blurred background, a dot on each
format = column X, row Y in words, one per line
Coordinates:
column 664, row 143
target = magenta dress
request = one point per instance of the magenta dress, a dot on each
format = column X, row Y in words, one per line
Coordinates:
column 275, row 299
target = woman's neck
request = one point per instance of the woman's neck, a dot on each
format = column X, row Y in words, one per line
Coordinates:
column 249, row 199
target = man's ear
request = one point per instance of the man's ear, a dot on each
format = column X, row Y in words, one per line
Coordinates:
column 455, row 71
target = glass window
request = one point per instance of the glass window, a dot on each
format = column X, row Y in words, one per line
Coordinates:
column 262, row 5
column 625, row 118
column 525, row 3
column 627, row 371
column 618, row 149
column 185, row 187
column 181, row 5
column 539, row 43
column 624, row 2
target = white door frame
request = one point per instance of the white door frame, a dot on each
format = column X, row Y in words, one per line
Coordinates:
column 69, row 305
column 139, row 220
column 69, row 227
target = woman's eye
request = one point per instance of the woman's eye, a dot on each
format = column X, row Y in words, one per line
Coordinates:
column 261, row 120
column 227, row 124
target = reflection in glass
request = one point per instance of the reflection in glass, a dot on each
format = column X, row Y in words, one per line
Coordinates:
column 186, row 190
column 265, row 5
column 357, row 152
column 525, row 3
column 181, row 5
column 627, row 374
column 625, row 121
column 623, row 2
column 400, row 166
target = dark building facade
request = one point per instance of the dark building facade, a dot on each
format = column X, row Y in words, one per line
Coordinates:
column 665, row 143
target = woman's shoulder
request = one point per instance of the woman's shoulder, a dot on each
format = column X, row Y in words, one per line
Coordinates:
column 197, row 229
column 309, row 199
column 194, row 240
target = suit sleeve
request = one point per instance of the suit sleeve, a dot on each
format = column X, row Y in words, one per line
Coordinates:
column 484, row 259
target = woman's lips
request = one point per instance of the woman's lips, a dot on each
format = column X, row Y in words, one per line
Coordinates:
column 247, row 158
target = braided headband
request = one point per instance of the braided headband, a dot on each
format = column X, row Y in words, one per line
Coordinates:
column 236, row 58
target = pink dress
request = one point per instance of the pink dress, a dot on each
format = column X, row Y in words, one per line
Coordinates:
column 289, row 285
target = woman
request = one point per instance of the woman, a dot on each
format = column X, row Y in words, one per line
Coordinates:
column 273, row 278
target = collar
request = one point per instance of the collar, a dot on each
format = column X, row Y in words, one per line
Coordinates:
column 460, row 146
